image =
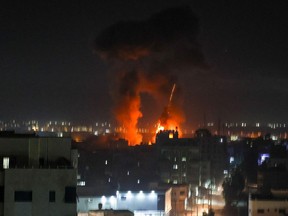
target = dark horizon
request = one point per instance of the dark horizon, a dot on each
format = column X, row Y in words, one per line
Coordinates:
column 49, row 69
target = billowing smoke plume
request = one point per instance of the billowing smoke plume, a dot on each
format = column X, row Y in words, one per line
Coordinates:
column 146, row 56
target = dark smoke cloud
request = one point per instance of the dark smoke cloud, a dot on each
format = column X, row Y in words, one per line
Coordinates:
column 146, row 56
column 173, row 31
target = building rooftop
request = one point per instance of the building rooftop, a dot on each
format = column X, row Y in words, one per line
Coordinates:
column 12, row 134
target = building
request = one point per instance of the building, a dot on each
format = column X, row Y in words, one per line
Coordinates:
column 110, row 213
column 179, row 159
column 267, row 205
column 138, row 202
column 170, row 162
column 214, row 157
column 38, row 175
column 199, row 161
column 176, row 200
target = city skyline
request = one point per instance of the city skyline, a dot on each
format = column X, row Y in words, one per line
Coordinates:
column 50, row 69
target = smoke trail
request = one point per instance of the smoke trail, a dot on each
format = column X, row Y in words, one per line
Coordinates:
column 147, row 54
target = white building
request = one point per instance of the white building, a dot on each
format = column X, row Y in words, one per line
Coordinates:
column 267, row 206
column 140, row 202
column 38, row 176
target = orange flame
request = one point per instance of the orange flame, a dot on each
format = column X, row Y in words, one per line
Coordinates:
column 169, row 125
column 128, row 115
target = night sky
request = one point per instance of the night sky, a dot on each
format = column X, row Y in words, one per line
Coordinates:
column 50, row 69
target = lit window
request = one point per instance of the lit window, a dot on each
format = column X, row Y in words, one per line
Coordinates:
column 138, row 181
column 175, row 166
column 128, row 173
column 6, row 163
column 81, row 183
column 175, row 182
column 106, row 162
column 170, row 135
column 183, row 158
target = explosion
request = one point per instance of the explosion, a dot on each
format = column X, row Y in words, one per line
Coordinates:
column 170, row 119
column 145, row 56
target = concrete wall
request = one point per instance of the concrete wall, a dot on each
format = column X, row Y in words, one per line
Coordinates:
column 28, row 151
column 175, row 200
column 168, row 201
column 14, row 146
column 40, row 182
column 137, row 200
column 86, row 204
column 49, row 148
column 132, row 201
column 267, row 207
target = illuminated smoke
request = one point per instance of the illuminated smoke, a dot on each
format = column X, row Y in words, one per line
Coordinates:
column 145, row 56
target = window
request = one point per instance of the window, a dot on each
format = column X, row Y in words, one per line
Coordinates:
column 81, row 183
column 175, row 166
column 260, row 211
column 70, row 195
column 1, row 193
column 6, row 163
column 183, row 158
column 52, row 196
column 282, row 211
column 23, row 196
column 41, row 162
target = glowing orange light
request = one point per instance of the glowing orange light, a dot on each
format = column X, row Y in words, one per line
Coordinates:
column 159, row 128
